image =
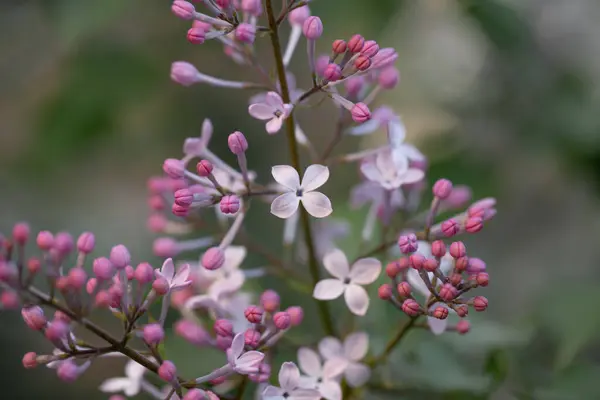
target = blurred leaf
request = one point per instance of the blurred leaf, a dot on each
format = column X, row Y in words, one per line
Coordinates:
column 576, row 383
column 496, row 366
column 487, row 336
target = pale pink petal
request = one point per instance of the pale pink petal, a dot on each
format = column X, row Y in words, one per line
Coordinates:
column 437, row 326
column 134, row 371
column 203, row 301
column 234, row 255
column 331, row 390
column 289, row 376
column 274, row 100
column 336, row 263
column 357, row 299
column 328, row 289
column 237, row 345
column 331, row 347
column 305, row 394
column 365, row 128
column 261, row 111
column 357, row 374
column 115, row 385
column 356, row 346
column 309, row 362
column 396, row 132
column 250, row 360
column 286, row 176
column 413, row 277
column 385, row 163
column 287, row 110
column 168, row 269
column 285, row 206
column 274, row 125
column 413, row 175
column 411, row 152
column 314, row 177
column 365, row 271
column 370, row 170
column 317, row 204
column 272, row 391
column 334, row 367
column 207, row 131
column 181, row 277
column 228, row 285
column 446, row 263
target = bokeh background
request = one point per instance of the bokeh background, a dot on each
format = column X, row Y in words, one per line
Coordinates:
column 502, row 95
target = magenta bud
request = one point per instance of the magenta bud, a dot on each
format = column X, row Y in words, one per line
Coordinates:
column 183, row 9
column 458, row 250
column 339, row 46
column 34, row 317
column 237, row 143
column 103, row 299
column 270, row 300
column 165, row 247
column 86, row 242
column 356, row 44
column 282, row 320
column 30, row 360
column 438, row 249
column 174, row 168
column 33, row 265
column 67, row 371
column 103, row 268
column 91, row 284
column 431, row 264
column 320, row 65
column 354, row 85
column 56, row 330
column 298, row 15
column 475, row 266
column 195, row 394
column 440, row 312
column 167, row 371
column 179, row 210
column 144, row 273
column 156, row 223
column 482, row 279
column 385, row 291
column 473, row 224
column 8, row 273
column 296, row 314
column 416, row 261
column 404, row 289
column 213, row 258
column 77, row 278
column 223, row 327
column 245, row 33
column 156, row 202
column 442, row 188
column 161, row 286
column 411, row 308
column 9, row 300
column 404, row 263
column 408, row 243
column 392, row 269
column 461, row 264
column 204, row 168
column 450, row 227
column 459, row 197
column 370, row 48
column 129, row 272
column 463, row 326
column 153, row 334
column 119, row 256
column 448, row 292
column 230, row 204
column 45, row 240
column 360, row 113
column 362, row 63
column 60, row 316
column 253, row 314
column 20, row 233
column 192, row 332
column 389, row 77
column 455, row 279
column 184, row 73
column 312, row 28
column 332, row 72
column 63, row 242
column 462, row 310
column 252, row 338
column 252, row 7
column 184, row 197
column 196, row 35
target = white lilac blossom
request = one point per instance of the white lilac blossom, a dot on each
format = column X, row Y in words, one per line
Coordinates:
column 227, row 279
column 243, row 362
column 289, row 386
column 388, row 172
column 130, row 384
column 272, row 109
column 348, row 280
column 176, row 280
column 296, row 192
column 322, row 376
column 295, row 92
column 353, row 350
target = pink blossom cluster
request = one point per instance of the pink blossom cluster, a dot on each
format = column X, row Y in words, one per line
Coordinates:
column 205, row 274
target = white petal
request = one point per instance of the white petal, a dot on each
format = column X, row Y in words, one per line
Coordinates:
column 365, row 128
column 413, row 277
column 357, row 299
column 365, row 271
column 369, row 169
column 237, row 345
column 413, row 175
column 274, row 100
column 228, row 285
column 317, row 204
column 250, row 359
column 385, row 163
column 261, row 111
column 289, row 376
column 234, row 255
column 446, row 263
column 331, row 347
column 356, row 346
column 168, row 269
column 132, row 389
column 331, row 390
column 336, row 263
column 328, row 289
column 134, row 371
column 207, row 131
column 396, row 132
column 309, row 362
column 285, row 206
column 411, row 152
column 274, row 125
column 424, row 249
column 314, row 177
column 289, row 228
column 115, row 385
column 437, row 326
column 286, row 176
column 334, row 367
column 272, row 391
column 181, row 277
column 305, row 394
column 357, row 374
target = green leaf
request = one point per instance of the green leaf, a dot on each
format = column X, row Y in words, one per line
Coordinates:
column 496, row 366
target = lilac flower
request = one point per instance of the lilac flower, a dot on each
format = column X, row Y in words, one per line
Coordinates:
column 390, row 173
column 272, row 109
column 130, row 384
column 289, row 381
column 227, row 279
column 347, row 280
column 321, row 376
column 383, row 203
column 295, row 92
column 177, row 281
column 243, row 363
column 353, row 350
column 316, row 203
column 195, row 147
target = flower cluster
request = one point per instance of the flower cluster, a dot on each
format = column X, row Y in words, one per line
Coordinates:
column 430, row 277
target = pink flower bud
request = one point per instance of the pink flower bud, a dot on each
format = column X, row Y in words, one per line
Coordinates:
column 161, row 286
column 237, row 142
column 392, row 269
column 103, row 268
column 9, row 300
column 62, row 283
column 176, row 184
column 388, row 77
column 450, row 228
column 45, row 240
column 431, row 264
column 230, row 204
column 57, row 330
column 455, row 279
column 362, row 63
column 354, row 85
column 8, row 273
column 156, row 223
column 356, row 44
column 68, row 371
column 475, row 266
column 77, row 278
column 213, row 258
column 60, row 316
column 360, row 113
column 103, row 299
column 282, row 320
column 165, row 247
column 404, row 289
column 411, row 308
column 253, row 314
column 180, row 210
column 183, row 9
column 462, row 310
column 33, row 265
column 408, row 243
column 339, row 46
column 459, row 197
column 385, row 291
column 416, row 261
column 473, row 224
column 463, row 326
column 480, row 303
column 156, row 203
column 153, row 334
column 224, row 342
column 298, row 15
column 174, row 168
column 252, row 7
column 129, row 272
column 320, row 65
column 245, row 33
column 458, row 250
column 167, row 371
column 20, row 233
column 91, row 284
column 34, row 317
column 119, row 256
column 461, row 264
column 184, row 197
column 63, row 242
column 144, row 273
column 448, row 292
column 482, row 279
column 196, row 35
column 332, row 72
column 440, row 312
column 223, row 327
column 204, row 168
column 184, row 73
column 296, row 314
column 438, row 249
column 370, row 48
column 270, row 300
column 442, row 188
column 195, row 394
column 312, row 28
column 252, row 338
column 384, row 58
column 30, row 360
column 404, row 263
column 191, row 332
column 485, row 204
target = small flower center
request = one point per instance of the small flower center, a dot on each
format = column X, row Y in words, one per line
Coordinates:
column 346, row 281
column 277, row 113
column 299, row 192
column 285, row 395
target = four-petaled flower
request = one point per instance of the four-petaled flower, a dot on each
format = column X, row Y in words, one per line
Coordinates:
column 130, row 384
column 390, row 173
column 321, row 376
column 243, row 363
column 227, row 279
column 353, row 350
column 316, row 203
column 177, row 281
column 289, row 381
column 272, row 109
column 347, row 280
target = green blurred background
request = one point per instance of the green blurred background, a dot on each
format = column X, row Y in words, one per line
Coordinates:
column 502, row 95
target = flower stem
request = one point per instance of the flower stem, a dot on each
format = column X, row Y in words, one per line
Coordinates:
column 325, row 315
column 404, row 328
